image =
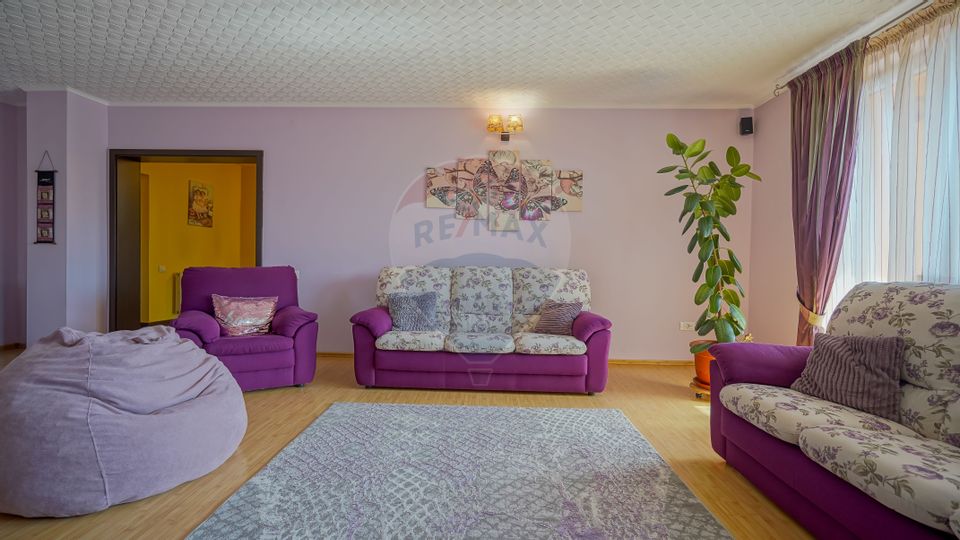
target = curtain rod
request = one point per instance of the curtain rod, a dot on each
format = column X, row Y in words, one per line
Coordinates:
column 899, row 13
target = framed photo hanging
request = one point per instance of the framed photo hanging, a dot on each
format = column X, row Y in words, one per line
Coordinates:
column 46, row 201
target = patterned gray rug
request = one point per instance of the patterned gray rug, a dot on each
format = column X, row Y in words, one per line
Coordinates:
column 412, row 471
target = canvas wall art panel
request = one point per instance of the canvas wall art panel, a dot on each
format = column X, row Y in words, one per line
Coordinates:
column 569, row 186
column 504, row 162
column 503, row 213
column 441, row 187
column 473, row 177
column 536, row 199
column 503, row 190
column 200, row 205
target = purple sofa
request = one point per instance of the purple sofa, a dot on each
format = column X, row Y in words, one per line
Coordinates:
column 285, row 357
column 485, row 343
column 842, row 472
column 823, row 503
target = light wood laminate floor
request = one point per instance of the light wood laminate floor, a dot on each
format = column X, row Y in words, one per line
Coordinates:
column 655, row 398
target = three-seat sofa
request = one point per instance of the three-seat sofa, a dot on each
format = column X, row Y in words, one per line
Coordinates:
column 485, row 339
column 842, row 472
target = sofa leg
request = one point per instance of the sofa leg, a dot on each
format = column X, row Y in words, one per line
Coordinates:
column 299, row 385
column 367, row 386
column 590, row 393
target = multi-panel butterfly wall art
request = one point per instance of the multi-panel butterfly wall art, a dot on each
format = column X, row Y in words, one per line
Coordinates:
column 504, row 190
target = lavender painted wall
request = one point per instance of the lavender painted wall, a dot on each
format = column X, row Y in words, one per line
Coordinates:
column 67, row 283
column 8, row 222
column 46, row 122
column 86, row 199
column 12, row 244
column 342, row 198
column 773, row 309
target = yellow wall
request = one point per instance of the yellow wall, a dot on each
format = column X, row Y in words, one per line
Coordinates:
column 171, row 245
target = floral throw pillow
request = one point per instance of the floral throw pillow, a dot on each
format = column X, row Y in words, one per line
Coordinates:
column 857, row 371
column 243, row 316
column 557, row 317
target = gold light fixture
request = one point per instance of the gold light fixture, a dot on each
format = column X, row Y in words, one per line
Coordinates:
column 495, row 125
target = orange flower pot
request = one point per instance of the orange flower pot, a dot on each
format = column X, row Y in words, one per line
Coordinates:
column 701, row 363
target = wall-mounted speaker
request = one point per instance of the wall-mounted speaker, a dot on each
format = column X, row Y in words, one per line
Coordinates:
column 746, row 125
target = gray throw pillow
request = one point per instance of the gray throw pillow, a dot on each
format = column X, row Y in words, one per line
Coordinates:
column 857, row 371
column 413, row 312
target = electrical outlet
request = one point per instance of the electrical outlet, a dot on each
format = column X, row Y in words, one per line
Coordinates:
column 686, row 326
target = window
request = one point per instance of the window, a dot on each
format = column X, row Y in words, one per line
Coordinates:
column 904, row 217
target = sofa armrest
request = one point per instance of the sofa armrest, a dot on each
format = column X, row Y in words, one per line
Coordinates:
column 598, row 355
column 587, row 324
column 377, row 320
column 202, row 324
column 192, row 336
column 289, row 319
column 594, row 330
column 760, row 363
column 305, row 352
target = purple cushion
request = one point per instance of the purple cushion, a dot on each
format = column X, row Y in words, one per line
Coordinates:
column 557, row 317
column 446, row 362
column 289, row 319
column 229, row 345
column 268, row 361
column 93, row 420
column 202, row 324
column 199, row 283
column 857, row 371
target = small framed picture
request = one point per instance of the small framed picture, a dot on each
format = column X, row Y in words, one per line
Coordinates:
column 45, row 213
column 46, row 185
column 45, row 233
column 200, row 205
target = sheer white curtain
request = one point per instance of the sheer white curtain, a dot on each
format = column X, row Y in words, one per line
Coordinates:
column 904, row 221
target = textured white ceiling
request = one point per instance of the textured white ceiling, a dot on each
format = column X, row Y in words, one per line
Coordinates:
column 531, row 53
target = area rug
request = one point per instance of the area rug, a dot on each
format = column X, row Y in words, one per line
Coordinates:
column 416, row 471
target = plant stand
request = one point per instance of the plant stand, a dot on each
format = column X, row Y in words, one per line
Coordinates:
column 700, row 388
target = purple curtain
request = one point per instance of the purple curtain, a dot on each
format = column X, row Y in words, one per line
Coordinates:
column 824, row 106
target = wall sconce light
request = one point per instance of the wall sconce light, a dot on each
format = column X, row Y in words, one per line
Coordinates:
column 495, row 125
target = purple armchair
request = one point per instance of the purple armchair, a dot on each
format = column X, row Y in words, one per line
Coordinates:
column 286, row 356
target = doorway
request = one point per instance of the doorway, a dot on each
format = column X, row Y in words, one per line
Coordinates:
column 173, row 209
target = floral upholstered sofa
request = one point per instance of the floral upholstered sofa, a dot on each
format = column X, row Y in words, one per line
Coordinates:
column 841, row 472
column 485, row 339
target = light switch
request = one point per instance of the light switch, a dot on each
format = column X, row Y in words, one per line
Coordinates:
column 161, row 268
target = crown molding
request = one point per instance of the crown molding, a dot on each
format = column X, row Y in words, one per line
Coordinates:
column 382, row 105
column 62, row 88
column 361, row 105
column 881, row 21
column 14, row 98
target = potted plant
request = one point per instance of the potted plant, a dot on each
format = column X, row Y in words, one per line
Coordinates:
column 710, row 195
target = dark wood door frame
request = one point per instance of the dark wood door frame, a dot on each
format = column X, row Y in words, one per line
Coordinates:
column 146, row 155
